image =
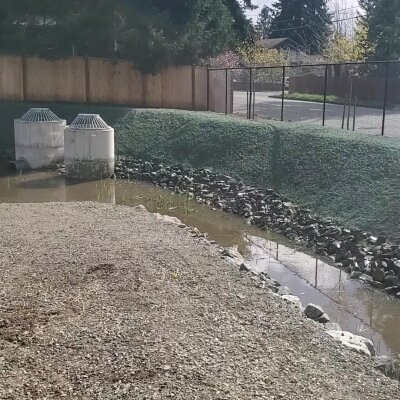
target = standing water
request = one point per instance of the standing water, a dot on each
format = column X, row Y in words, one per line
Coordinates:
column 355, row 306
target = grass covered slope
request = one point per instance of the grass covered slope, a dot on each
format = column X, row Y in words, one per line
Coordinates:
column 354, row 178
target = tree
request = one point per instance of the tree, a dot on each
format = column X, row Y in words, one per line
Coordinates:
column 341, row 49
column 264, row 22
column 242, row 25
column 363, row 47
column 306, row 22
column 160, row 33
column 258, row 56
column 151, row 33
column 382, row 17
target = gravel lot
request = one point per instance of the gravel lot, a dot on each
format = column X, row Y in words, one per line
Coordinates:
column 110, row 302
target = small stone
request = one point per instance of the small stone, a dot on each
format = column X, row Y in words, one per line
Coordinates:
column 313, row 311
column 334, row 247
column 391, row 280
column 283, row 290
column 333, row 326
column 380, row 240
column 378, row 274
column 292, row 299
column 323, row 319
column 380, row 362
column 148, row 166
column 378, row 285
column 366, row 278
column 391, row 289
column 244, row 267
column 355, row 274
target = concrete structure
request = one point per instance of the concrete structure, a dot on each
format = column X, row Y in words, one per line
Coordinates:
column 89, row 148
column 39, row 138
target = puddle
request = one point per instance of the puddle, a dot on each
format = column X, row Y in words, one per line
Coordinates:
column 355, row 306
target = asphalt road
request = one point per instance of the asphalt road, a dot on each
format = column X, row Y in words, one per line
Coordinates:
column 368, row 120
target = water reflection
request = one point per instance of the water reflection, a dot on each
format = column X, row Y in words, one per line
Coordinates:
column 355, row 306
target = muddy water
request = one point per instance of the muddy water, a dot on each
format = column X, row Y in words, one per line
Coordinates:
column 357, row 307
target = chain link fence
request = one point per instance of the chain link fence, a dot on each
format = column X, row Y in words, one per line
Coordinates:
column 359, row 97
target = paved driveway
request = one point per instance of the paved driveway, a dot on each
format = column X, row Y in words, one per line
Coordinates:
column 368, row 120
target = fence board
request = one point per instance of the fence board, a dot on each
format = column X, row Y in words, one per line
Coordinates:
column 153, row 91
column 55, row 80
column 114, row 82
column 176, row 88
column 11, row 78
column 219, row 91
column 200, row 88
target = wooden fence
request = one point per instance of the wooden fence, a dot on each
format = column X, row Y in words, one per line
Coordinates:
column 90, row 80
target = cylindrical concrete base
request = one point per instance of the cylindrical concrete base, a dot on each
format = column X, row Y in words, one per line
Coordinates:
column 39, row 143
column 89, row 169
column 89, row 154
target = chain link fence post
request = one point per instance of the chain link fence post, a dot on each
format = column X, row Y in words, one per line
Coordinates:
column 283, row 91
column 325, row 90
column 385, row 99
column 226, row 91
column 208, row 89
column 250, row 93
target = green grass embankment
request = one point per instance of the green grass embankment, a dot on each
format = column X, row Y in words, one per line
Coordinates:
column 354, row 178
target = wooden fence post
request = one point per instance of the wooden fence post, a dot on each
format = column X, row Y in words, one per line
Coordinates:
column 87, row 80
column 193, row 88
column 23, row 78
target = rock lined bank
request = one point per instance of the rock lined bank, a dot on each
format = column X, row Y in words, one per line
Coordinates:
column 374, row 260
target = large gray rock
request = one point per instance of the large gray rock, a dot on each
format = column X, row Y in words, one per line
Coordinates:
column 359, row 344
column 313, row 311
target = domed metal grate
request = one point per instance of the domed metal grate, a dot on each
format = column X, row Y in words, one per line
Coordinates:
column 89, row 121
column 40, row 115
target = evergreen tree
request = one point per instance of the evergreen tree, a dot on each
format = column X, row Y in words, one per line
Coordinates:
column 263, row 25
column 307, row 22
column 242, row 26
column 382, row 17
column 151, row 33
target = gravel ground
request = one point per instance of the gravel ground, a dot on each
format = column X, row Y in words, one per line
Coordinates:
column 110, row 302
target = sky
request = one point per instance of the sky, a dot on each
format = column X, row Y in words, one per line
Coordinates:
column 349, row 4
column 345, row 15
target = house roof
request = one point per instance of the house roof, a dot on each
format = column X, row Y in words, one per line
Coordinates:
column 279, row 42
